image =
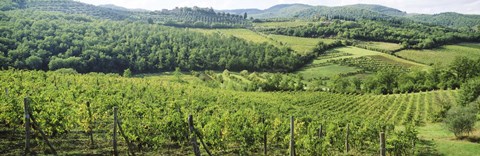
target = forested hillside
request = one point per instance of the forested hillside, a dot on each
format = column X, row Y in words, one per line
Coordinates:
column 345, row 13
column 181, row 17
column 49, row 41
column 380, row 9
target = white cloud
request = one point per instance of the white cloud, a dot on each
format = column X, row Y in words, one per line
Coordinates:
column 411, row 6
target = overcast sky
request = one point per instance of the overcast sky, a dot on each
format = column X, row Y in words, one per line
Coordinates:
column 410, row 6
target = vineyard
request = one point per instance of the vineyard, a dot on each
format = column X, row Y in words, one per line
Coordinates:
column 369, row 64
column 349, row 61
column 153, row 113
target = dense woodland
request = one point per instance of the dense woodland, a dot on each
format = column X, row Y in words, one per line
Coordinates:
column 49, row 41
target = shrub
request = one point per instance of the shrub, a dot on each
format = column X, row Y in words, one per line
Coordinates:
column 461, row 120
column 470, row 91
column 127, row 73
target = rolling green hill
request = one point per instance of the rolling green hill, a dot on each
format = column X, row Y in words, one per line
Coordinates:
column 282, row 11
column 74, row 7
column 351, row 12
column 380, row 9
column 361, row 11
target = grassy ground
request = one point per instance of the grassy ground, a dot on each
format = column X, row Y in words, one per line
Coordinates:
column 283, row 24
column 299, row 44
column 442, row 56
column 326, row 71
column 445, row 143
column 380, row 45
column 240, row 33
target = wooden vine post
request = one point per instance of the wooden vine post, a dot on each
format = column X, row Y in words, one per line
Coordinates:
column 292, row 136
column 320, row 133
column 201, row 141
column 29, row 121
column 129, row 145
column 27, row 126
column 44, row 136
column 382, row 144
column 115, row 151
column 193, row 138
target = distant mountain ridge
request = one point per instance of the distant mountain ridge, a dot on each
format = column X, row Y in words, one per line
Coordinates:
column 112, row 6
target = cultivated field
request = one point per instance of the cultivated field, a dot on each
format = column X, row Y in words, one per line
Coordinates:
column 322, row 66
column 442, row 56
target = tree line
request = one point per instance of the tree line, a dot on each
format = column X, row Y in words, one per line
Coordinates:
column 197, row 17
column 409, row 34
